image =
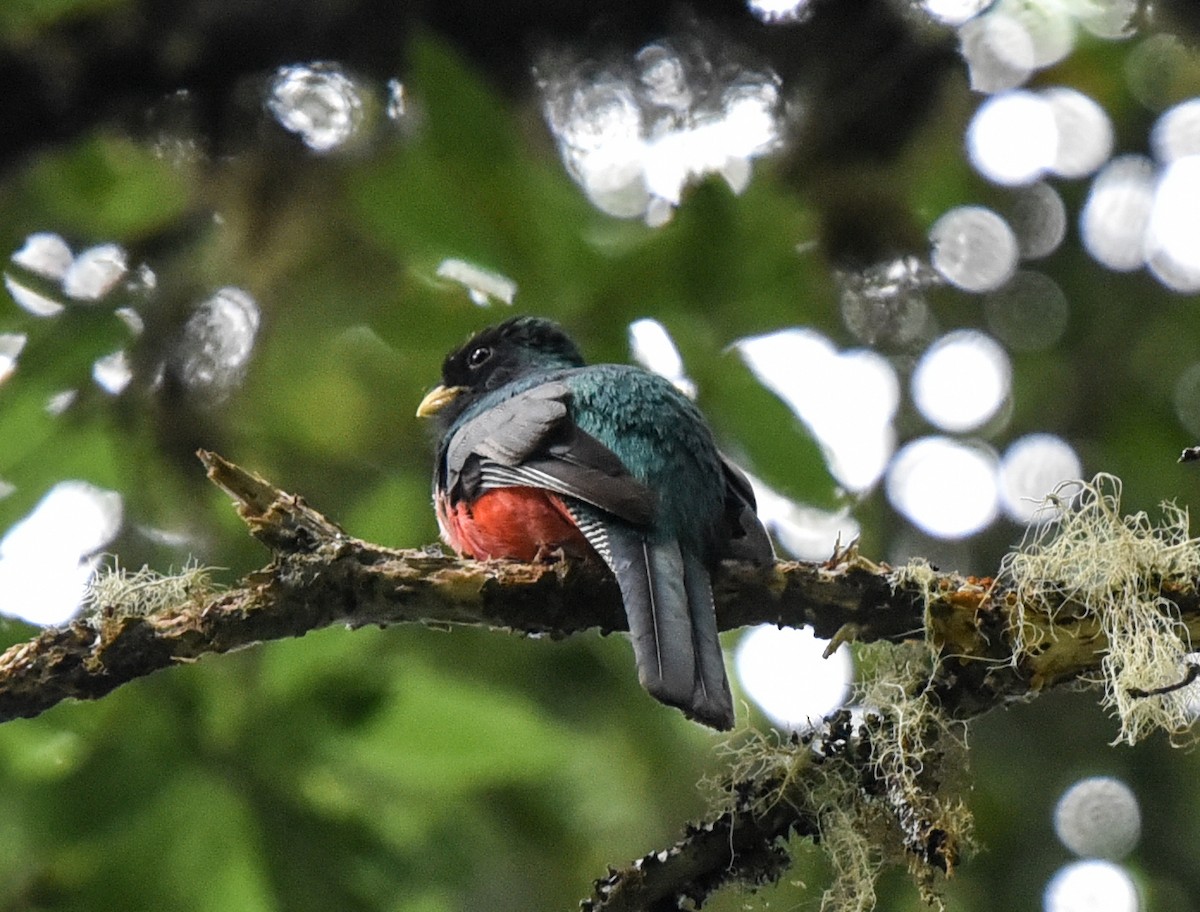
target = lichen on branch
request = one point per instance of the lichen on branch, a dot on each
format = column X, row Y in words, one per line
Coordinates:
column 1093, row 596
column 1127, row 581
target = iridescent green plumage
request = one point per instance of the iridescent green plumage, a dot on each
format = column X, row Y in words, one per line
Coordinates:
column 633, row 464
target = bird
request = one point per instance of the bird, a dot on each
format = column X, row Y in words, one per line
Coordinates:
column 541, row 454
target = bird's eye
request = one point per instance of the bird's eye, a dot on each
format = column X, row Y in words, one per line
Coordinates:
column 478, row 356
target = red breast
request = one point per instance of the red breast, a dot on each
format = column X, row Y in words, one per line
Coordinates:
column 516, row 523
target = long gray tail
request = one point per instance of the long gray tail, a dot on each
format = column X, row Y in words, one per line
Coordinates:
column 669, row 604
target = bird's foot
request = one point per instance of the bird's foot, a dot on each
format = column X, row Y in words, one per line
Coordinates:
column 549, row 554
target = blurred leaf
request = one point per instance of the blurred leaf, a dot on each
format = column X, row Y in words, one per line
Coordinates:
column 107, row 187
column 764, row 436
column 20, row 18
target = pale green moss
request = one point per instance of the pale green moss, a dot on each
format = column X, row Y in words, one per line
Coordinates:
column 1113, row 566
column 117, row 592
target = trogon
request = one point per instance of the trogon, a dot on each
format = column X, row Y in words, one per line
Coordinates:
column 540, row 453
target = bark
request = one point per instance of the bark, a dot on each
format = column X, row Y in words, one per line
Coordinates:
column 319, row 576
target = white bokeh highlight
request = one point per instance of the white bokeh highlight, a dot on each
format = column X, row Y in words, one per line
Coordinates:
column 1117, row 212
column 653, row 348
column 1083, row 132
column 998, row 51
column 1172, row 241
column 45, row 254
column 1091, row 886
column 1017, row 137
column 112, row 372
column 318, row 102
column 944, row 487
column 1176, row 134
column 807, row 372
column 804, row 532
column 636, row 134
column 95, row 272
column 961, row 380
column 783, row 671
column 1013, row 138
column 11, row 346
column 482, row 285
column 47, row 559
column 1032, row 467
column 954, row 12
column 973, row 248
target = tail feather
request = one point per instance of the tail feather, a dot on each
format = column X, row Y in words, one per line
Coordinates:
column 650, row 577
column 712, row 703
column 669, row 605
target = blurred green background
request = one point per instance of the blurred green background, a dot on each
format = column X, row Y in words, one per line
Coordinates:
column 420, row 770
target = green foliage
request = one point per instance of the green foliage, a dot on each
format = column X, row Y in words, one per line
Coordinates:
column 422, row 770
column 107, row 186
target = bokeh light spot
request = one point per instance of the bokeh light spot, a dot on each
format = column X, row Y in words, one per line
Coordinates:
column 1090, row 886
column 1012, row 139
column 1157, row 70
column 318, row 102
column 95, row 272
column 483, row 285
column 961, row 380
column 1098, row 817
column 11, row 346
column 1111, row 20
column 779, row 11
column 1049, row 25
column 954, row 12
column 1187, row 399
column 1032, row 467
column 1176, row 133
column 1038, row 218
column 215, row 347
column 1083, row 132
column 1172, row 241
column 112, row 373
column 946, row 488
column 653, row 348
column 804, row 532
column 784, row 673
column 973, row 248
column 1117, row 211
column 998, row 51
column 45, row 254
column 801, row 367
column 47, row 558
column 1029, row 313
column 634, row 134
column 886, row 302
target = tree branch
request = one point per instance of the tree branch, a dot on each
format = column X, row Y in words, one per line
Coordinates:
column 320, row 576
column 985, row 644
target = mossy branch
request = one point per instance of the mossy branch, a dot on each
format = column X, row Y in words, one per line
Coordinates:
column 320, row 576
column 1080, row 601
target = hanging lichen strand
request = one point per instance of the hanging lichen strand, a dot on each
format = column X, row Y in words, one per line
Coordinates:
column 1113, row 568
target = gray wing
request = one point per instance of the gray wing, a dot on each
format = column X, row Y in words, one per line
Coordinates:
column 747, row 539
column 530, row 440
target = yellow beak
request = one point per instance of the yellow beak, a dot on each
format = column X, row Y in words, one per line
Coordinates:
column 437, row 399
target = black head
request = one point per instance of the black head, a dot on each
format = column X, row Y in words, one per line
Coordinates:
column 501, row 353
column 495, row 356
